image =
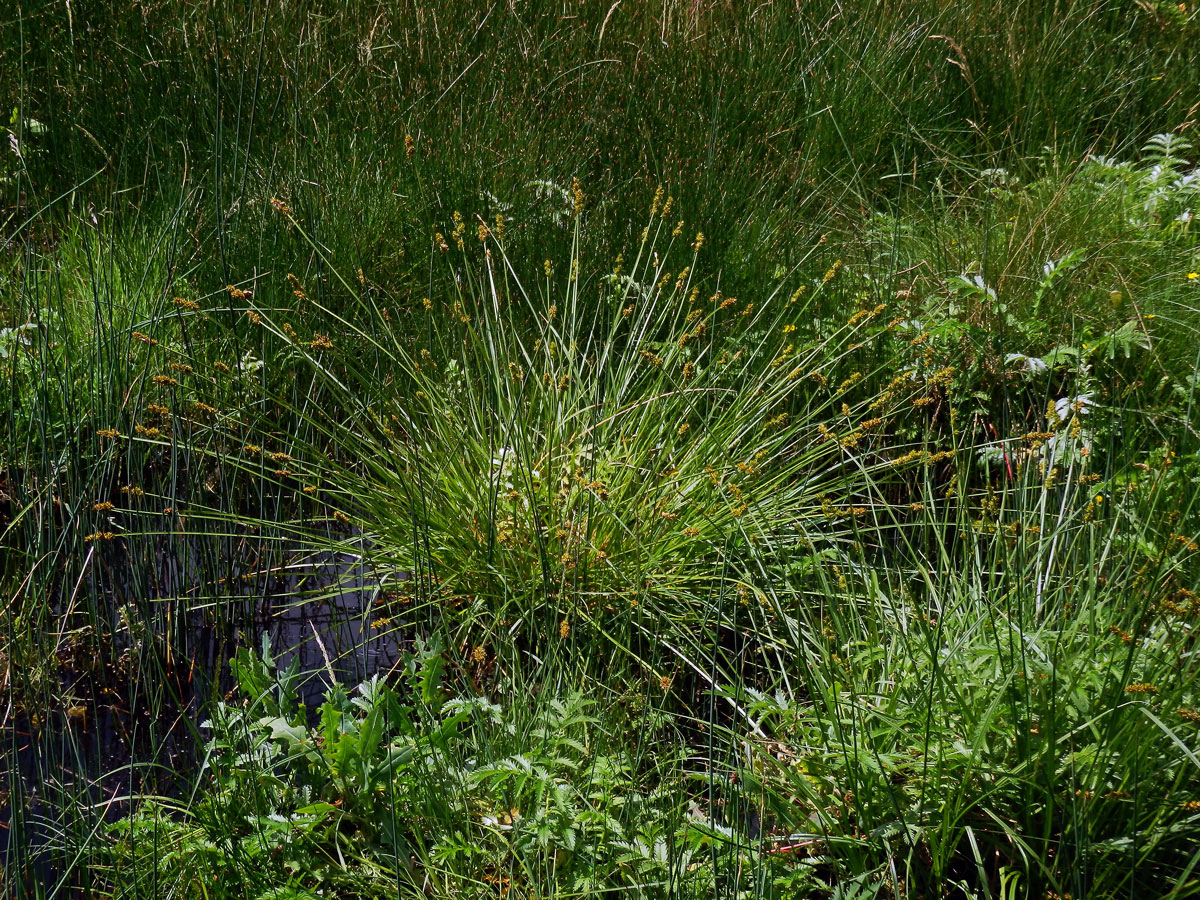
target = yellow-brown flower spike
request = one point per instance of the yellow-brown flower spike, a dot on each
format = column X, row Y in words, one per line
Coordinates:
column 460, row 228
column 1141, row 687
column 656, row 203
column 576, row 196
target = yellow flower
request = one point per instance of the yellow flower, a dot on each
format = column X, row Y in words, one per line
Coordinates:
column 1192, row 276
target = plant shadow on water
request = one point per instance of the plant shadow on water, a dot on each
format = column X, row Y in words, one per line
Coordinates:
column 114, row 742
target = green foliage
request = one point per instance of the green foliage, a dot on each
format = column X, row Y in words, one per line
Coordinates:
column 383, row 794
column 828, row 530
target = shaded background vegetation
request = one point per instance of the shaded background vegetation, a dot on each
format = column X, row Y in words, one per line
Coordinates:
column 850, row 633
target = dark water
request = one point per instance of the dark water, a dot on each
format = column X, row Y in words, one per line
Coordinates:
column 79, row 766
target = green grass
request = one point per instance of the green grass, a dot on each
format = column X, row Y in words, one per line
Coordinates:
column 723, row 452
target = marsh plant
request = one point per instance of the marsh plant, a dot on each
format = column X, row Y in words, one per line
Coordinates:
column 402, row 494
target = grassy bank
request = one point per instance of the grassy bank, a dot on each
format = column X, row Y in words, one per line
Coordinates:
column 667, row 451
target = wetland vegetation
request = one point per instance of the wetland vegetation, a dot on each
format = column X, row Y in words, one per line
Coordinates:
column 568, row 449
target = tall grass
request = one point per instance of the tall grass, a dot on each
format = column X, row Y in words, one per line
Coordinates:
column 822, row 523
